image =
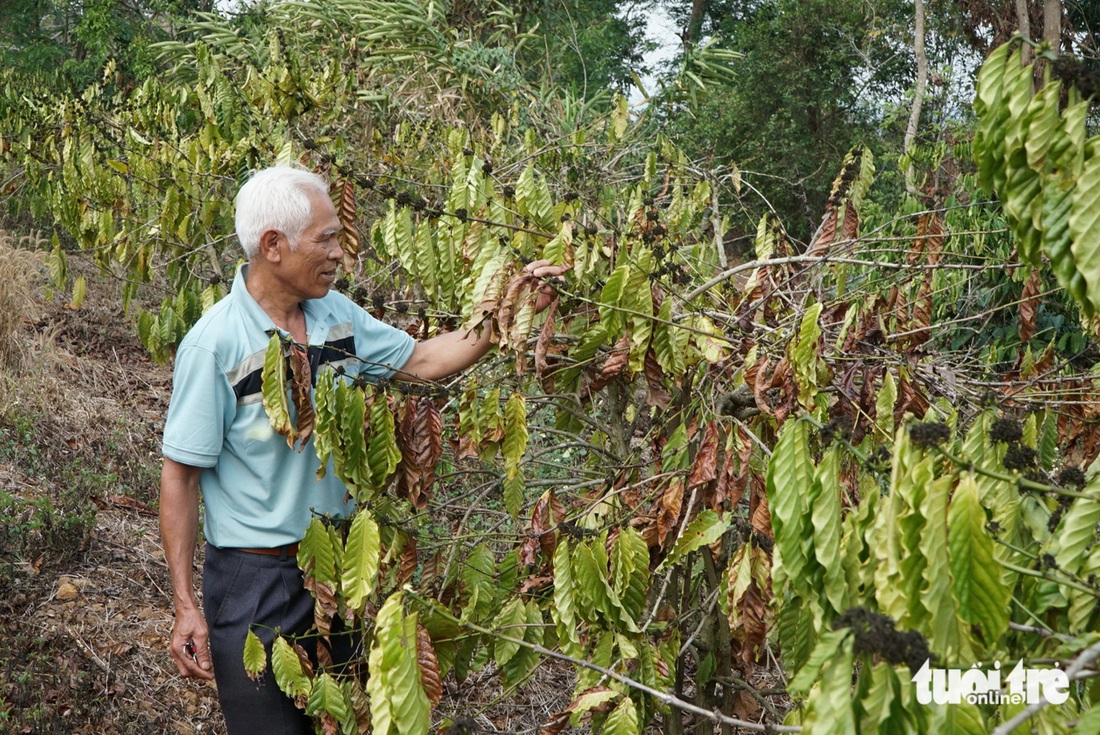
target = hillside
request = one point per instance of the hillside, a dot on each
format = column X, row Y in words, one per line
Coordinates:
column 83, row 584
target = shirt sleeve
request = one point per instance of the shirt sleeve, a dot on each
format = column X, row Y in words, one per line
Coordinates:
column 201, row 409
column 384, row 349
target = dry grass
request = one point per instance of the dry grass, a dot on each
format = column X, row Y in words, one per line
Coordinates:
column 21, row 280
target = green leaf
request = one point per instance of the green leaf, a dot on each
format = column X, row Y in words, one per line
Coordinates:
column 884, row 407
column 383, row 454
column 565, row 602
column 829, row 706
column 315, row 553
column 804, row 356
column 1078, row 529
column 827, row 648
column 630, row 571
column 326, row 426
column 824, row 501
column 255, row 656
column 362, row 558
column 882, row 710
column 276, row 401
column 946, row 635
column 351, row 453
column 327, row 700
column 478, row 576
column 589, row 701
column 976, row 577
column 611, row 297
column 287, row 668
column 623, row 720
column 526, row 659
column 398, row 703
column 797, row 637
column 1089, row 724
column 704, row 530
column 511, row 624
column 1084, row 231
column 790, row 473
column 515, row 428
column 597, row 593
column 514, row 486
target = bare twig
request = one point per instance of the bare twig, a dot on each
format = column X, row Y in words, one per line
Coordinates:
column 1074, row 672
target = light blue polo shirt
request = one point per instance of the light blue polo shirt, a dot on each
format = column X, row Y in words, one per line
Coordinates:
column 258, row 492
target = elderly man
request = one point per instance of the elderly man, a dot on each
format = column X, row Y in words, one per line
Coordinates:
column 259, row 494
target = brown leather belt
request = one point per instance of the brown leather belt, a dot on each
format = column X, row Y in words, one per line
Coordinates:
column 288, row 550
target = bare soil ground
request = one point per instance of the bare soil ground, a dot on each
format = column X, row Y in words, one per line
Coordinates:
column 84, row 593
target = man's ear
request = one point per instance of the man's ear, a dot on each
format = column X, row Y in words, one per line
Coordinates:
column 269, row 246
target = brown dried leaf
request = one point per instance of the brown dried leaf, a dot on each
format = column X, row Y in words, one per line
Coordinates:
column 1029, row 307
column 430, row 678
column 546, row 338
column 514, row 298
column 543, row 525
column 656, row 395
column 910, row 398
column 301, row 390
column 406, row 565
column 826, row 234
column 125, row 501
column 304, row 660
column 867, row 407
column 850, row 228
column 556, row 724
column 420, row 438
column 349, row 236
column 922, row 313
column 759, row 515
column 672, row 500
column 430, row 570
column 611, row 369
column 360, row 704
column 535, row 583
column 761, row 383
column 706, row 459
column 324, row 609
column 739, row 483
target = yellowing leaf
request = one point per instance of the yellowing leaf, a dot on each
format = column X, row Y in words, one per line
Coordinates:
column 976, row 576
column 255, row 656
column 362, row 557
column 79, row 290
column 704, row 530
column 623, row 720
column 276, row 403
column 287, row 668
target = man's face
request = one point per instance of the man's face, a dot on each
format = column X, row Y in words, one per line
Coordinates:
column 310, row 268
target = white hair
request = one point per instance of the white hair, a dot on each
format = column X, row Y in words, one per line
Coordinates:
column 276, row 198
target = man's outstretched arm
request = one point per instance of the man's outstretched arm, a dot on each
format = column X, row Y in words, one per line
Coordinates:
column 449, row 353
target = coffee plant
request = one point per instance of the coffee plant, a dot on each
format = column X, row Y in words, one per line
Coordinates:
column 687, row 468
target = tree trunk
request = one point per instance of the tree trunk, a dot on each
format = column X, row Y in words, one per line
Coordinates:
column 1052, row 24
column 918, row 96
column 694, row 25
column 1023, row 19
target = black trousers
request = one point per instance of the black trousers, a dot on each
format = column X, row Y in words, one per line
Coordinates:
column 242, row 590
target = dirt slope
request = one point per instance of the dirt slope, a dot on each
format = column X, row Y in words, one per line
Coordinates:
column 84, row 594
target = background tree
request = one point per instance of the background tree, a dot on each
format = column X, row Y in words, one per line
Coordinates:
column 72, row 39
